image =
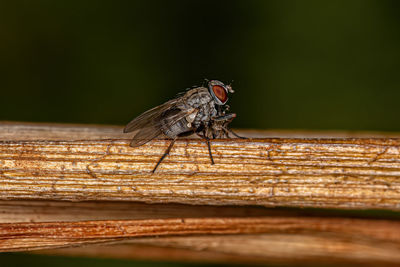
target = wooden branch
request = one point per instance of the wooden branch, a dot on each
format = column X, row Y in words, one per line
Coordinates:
column 22, row 236
column 45, row 170
column 78, row 163
column 260, row 235
column 296, row 249
column 307, row 239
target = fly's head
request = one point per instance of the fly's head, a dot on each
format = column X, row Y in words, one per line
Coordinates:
column 219, row 91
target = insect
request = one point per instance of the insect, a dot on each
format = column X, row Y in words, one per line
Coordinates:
column 201, row 110
column 219, row 127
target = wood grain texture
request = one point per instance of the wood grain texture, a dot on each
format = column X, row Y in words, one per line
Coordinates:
column 25, row 236
column 80, row 163
column 203, row 233
column 290, row 250
column 36, row 211
column 269, row 239
column 65, row 186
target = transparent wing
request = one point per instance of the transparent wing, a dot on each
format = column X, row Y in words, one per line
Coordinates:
column 147, row 118
column 153, row 128
column 145, row 135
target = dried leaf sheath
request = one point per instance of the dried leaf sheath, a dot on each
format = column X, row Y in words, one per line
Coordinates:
column 70, row 162
column 28, row 236
column 339, row 173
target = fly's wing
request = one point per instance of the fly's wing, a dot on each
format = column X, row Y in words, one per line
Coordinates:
column 145, row 135
column 146, row 118
column 154, row 129
column 149, row 124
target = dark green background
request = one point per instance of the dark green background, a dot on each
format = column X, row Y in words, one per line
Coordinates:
column 294, row 64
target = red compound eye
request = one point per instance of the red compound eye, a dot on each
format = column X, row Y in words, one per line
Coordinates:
column 220, row 92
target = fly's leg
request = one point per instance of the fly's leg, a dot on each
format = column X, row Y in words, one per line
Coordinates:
column 235, row 134
column 209, row 150
column 166, row 153
column 225, row 119
column 204, row 136
column 226, row 132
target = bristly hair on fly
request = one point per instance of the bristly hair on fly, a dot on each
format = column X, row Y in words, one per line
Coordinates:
column 203, row 84
column 198, row 110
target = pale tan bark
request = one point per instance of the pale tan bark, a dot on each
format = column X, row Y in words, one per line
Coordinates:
column 79, row 163
column 41, row 164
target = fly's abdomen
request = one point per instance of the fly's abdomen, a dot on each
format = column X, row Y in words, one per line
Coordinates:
column 173, row 129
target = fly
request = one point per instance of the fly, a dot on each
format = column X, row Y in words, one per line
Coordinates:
column 200, row 110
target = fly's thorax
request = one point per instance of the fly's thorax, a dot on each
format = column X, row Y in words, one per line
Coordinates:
column 204, row 114
column 201, row 99
column 197, row 97
column 207, row 112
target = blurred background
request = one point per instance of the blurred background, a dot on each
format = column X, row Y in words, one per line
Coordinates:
column 294, row 64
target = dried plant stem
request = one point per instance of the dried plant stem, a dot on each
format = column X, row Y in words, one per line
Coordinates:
column 65, row 163
column 46, row 171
